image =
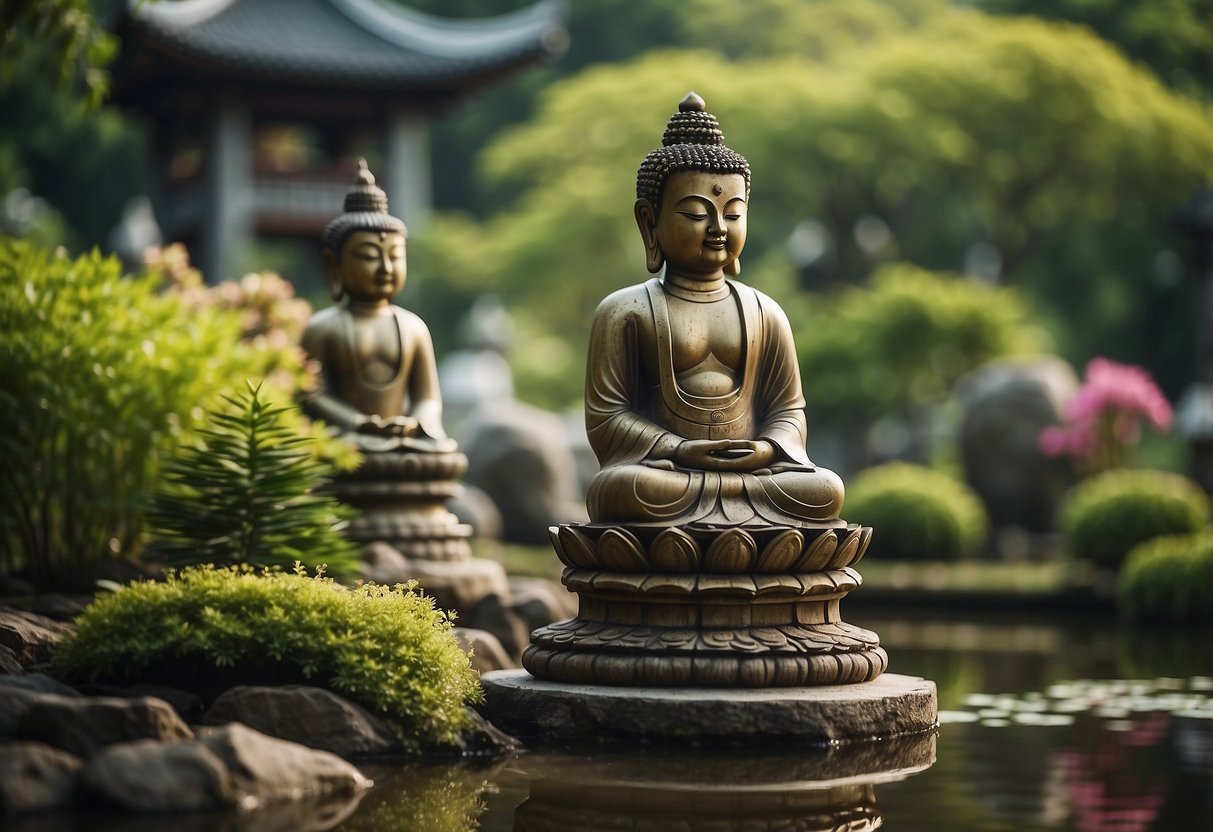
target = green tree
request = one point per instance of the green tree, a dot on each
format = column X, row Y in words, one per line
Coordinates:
column 61, row 39
column 901, row 344
column 1172, row 37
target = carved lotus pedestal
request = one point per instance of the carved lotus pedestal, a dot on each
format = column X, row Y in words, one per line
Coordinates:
column 708, row 607
column 401, row 501
column 701, row 635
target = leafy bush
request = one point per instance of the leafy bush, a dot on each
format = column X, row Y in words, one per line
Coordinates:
column 101, row 375
column 1169, row 580
column 98, row 375
column 245, row 495
column 1106, row 515
column 385, row 648
column 917, row 513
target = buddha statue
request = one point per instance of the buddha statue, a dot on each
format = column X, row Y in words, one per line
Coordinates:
column 379, row 379
column 714, row 555
column 693, row 399
column 378, row 389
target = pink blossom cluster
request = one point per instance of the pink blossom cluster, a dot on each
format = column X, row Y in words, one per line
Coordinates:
column 1103, row 420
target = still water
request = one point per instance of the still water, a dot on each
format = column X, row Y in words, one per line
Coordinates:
column 1078, row 725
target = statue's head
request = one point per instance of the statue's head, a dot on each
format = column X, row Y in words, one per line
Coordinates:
column 363, row 249
column 692, row 195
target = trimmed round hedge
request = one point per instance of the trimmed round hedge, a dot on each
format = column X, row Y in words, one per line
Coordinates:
column 1105, row 516
column 1168, row 580
column 204, row 628
column 917, row 513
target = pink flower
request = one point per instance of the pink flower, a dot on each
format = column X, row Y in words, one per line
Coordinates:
column 1103, row 419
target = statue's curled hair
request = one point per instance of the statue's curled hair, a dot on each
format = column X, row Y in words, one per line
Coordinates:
column 693, row 141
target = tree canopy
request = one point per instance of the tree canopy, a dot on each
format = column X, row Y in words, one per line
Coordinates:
column 1035, row 144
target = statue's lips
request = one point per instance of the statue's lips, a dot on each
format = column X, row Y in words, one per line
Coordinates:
column 716, row 244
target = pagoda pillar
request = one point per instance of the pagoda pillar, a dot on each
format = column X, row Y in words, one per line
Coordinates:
column 407, row 153
column 229, row 191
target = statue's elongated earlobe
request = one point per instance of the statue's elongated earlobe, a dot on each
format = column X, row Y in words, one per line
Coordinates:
column 734, row 268
column 332, row 274
column 646, row 221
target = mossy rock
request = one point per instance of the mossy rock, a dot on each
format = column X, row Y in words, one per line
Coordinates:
column 384, row 648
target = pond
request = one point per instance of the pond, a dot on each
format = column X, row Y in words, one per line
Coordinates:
column 1070, row 724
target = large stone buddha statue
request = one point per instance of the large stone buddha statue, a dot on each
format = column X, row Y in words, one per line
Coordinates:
column 693, row 399
column 714, row 555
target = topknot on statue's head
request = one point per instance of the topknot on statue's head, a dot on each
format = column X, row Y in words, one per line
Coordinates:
column 365, row 209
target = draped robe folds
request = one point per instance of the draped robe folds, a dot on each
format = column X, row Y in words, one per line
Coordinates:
column 636, row 415
column 346, row 397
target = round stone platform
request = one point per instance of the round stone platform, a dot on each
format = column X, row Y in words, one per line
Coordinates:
column 539, row 711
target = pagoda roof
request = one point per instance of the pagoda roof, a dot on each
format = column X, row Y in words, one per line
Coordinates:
column 335, row 43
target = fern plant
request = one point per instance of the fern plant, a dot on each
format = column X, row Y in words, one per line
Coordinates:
column 247, row 494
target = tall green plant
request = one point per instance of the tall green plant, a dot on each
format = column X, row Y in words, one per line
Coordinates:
column 246, row 494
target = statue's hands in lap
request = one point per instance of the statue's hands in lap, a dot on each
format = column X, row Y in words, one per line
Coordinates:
column 738, row 455
column 402, row 427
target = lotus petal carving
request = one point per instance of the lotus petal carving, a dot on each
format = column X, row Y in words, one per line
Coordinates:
column 620, row 550
column 781, row 552
column 576, row 549
column 731, row 552
column 674, row 551
column 847, row 549
column 819, row 553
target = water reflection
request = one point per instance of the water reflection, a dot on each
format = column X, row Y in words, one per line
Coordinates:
column 721, row 789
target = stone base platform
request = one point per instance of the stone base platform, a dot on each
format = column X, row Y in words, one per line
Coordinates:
column 542, row 712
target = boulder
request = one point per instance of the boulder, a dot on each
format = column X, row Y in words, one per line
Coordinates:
column 35, row 778
column 519, row 455
column 83, row 725
column 487, row 652
column 265, row 769
column 539, row 602
column 484, row 739
column 19, row 693
column 36, row 683
column 1005, row 406
column 151, row 776
column 383, row 564
column 493, row 615
column 30, row 636
column 189, row 706
column 8, row 661
column 309, row 716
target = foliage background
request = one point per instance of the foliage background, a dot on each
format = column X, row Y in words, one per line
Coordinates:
column 1043, row 146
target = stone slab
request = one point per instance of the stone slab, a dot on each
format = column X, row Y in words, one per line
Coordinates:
column 543, row 712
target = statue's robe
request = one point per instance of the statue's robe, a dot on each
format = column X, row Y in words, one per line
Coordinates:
column 636, row 414
column 346, row 397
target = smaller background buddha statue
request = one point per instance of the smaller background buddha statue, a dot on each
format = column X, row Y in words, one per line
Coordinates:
column 379, row 378
column 378, row 389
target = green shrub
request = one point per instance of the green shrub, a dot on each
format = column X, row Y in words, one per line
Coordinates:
column 917, row 513
column 1105, row 516
column 1168, row 580
column 245, row 495
column 100, row 375
column 384, row 648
